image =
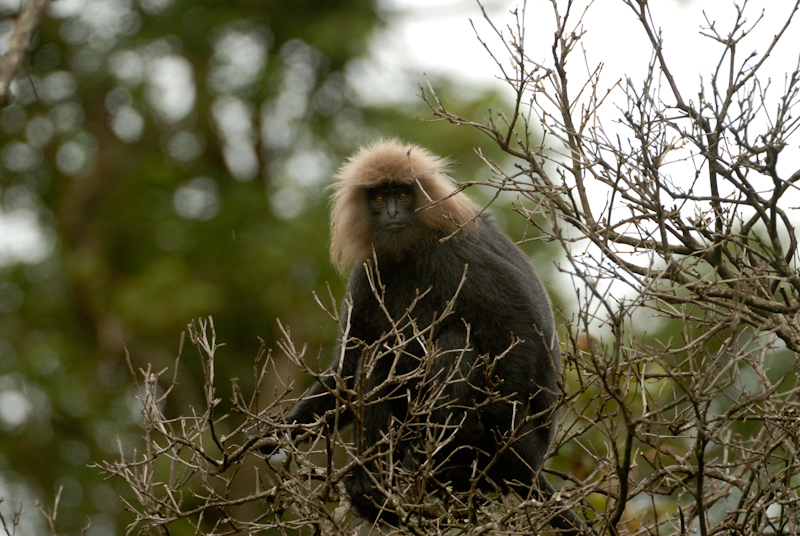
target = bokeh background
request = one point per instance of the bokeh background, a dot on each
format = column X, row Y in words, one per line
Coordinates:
column 166, row 160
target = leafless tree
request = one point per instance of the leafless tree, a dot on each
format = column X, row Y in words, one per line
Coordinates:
column 695, row 430
column 700, row 432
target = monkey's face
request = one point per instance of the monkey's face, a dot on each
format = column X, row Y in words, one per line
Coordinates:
column 395, row 228
column 391, row 208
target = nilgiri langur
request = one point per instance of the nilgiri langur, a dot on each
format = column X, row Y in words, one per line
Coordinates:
column 464, row 306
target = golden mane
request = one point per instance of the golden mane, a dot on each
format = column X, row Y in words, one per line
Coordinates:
column 397, row 162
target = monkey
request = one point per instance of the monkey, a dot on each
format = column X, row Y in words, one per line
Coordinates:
column 416, row 248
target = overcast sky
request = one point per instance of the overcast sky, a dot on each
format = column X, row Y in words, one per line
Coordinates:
column 444, row 36
column 438, row 36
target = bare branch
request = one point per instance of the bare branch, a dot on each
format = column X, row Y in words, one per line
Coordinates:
column 24, row 27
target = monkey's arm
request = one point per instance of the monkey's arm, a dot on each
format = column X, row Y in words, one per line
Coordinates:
column 328, row 394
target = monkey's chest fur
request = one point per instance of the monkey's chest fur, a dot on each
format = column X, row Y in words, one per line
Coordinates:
column 469, row 313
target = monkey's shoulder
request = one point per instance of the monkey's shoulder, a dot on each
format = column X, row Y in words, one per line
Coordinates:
column 481, row 258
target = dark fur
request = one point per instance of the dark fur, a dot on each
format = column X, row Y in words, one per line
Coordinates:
column 500, row 338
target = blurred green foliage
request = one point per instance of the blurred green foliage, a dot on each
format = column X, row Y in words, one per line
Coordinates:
column 170, row 159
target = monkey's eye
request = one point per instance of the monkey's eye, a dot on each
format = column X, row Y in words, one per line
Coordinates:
column 403, row 197
column 379, row 200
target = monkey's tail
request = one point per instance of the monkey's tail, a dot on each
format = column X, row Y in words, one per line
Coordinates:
column 566, row 520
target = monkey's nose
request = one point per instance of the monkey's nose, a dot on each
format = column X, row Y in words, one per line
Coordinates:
column 391, row 208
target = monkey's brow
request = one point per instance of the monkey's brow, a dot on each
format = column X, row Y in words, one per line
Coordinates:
column 392, row 184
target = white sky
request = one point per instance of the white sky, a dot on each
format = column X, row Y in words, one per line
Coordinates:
column 437, row 36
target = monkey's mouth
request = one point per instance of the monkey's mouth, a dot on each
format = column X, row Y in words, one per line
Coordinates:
column 395, row 226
